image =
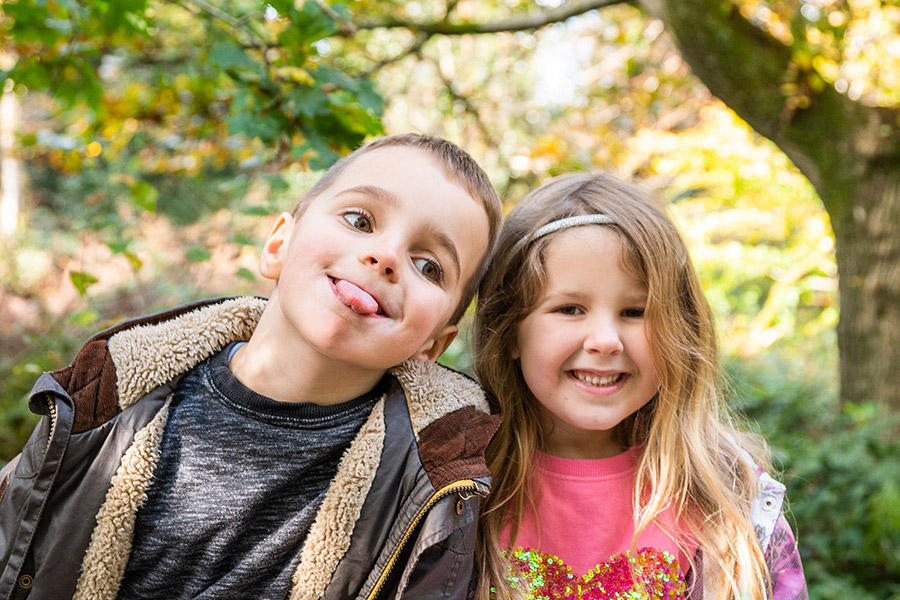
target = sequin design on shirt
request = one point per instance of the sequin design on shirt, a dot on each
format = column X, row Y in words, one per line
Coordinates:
column 546, row 577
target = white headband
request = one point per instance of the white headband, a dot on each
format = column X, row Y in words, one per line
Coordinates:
column 566, row 223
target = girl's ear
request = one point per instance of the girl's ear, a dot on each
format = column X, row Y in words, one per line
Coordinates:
column 275, row 248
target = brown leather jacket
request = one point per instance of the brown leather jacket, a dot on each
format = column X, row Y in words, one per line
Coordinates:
column 398, row 520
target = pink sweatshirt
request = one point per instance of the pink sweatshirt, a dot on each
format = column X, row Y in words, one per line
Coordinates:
column 585, row 513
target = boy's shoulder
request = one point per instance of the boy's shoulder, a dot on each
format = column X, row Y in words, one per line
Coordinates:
column 450, row 418
column 434, row 391
column 119, row 365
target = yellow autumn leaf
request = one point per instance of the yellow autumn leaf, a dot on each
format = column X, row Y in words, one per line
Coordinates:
column 295, row 74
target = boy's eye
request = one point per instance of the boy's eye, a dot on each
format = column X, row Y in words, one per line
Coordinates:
column 428, row 268
column 359, row 221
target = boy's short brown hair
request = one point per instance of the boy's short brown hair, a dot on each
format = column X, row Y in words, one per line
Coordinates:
column 458, row 166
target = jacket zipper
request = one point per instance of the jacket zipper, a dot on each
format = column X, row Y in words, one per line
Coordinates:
column 51, row 406
column 461, row 487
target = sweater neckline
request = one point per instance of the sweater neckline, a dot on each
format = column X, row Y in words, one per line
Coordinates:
column 234, row 394
column 596, row 468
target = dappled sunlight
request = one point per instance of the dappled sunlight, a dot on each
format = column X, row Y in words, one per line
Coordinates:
column 853, row 45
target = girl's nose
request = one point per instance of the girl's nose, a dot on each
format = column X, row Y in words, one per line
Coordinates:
column 603, row 338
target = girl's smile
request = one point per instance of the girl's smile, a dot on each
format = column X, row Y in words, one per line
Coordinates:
column 606, row 383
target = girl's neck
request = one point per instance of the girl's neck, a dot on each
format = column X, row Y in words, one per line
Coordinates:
column 565, row 441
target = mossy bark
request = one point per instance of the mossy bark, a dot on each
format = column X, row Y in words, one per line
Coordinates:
column 850, row 153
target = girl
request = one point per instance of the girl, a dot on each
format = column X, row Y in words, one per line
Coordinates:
column 617, row 472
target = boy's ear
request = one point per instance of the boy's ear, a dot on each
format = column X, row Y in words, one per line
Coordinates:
column 435, row 346
column 275, row 247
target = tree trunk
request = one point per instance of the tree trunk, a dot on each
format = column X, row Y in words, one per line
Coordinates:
column 848, row 151
column 868, row 258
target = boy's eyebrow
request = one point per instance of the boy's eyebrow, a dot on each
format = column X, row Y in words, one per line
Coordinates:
column 379, row 193
column 446, row 242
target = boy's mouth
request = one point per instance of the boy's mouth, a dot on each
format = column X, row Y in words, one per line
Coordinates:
column 355, row 298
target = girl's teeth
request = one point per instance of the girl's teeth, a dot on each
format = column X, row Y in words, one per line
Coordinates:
column 591, row 380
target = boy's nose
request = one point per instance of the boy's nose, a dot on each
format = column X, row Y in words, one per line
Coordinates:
column 384, row 260
column 603, row 338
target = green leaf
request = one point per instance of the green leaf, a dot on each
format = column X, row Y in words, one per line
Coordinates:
column 83, row 318
column 321, row 156
column 61, row 25
column 352, row 116
column 266, row 129
column 245, row 273
column 144, row 196
column 228, row 55
column 118, row 246
column 136, row 263
column 243, row 240
column 258, row 211
column 306, row 101
column 277, row 183
column 312, row 24
column 81, row 281
column 197, row 254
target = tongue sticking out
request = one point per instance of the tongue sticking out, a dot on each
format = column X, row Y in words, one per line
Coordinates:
column 357, row 299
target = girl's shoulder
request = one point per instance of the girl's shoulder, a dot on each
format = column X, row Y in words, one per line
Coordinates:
column 766, row 507
column 768, row 499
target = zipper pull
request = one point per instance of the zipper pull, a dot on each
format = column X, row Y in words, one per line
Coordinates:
column 481, row 489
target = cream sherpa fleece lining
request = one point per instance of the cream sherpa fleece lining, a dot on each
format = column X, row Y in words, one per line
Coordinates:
column 178, row 345
column 107, row 554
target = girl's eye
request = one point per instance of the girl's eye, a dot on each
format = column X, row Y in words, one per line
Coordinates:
column 633, row 313
column 359, row 221
column 569, row 310
column 429, row 268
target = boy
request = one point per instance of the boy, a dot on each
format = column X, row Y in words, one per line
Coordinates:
column 178, row 462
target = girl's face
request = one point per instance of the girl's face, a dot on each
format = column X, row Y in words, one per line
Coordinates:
column 585, row 350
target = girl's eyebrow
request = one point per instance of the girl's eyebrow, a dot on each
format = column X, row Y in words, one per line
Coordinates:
column 564, row 294
column 440, row 236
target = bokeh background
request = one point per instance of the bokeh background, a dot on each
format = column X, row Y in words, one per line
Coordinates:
column 147, row 146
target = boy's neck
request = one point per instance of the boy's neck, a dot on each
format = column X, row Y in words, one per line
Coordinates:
column 289, row 375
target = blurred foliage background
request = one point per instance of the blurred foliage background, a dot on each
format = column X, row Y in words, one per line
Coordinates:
column 147, row 147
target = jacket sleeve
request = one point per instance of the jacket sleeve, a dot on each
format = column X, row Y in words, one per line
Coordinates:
column 785, row 568
column 17, row 501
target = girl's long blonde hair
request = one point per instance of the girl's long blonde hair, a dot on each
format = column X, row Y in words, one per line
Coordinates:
column 693, row 459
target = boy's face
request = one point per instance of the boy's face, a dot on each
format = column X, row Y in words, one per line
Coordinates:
column 374, row 268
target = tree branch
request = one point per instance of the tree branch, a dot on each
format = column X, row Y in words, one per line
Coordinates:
column 414, row 48
column 346, row 27
column 235, row 22
column 469, row 107
column 525, row 22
